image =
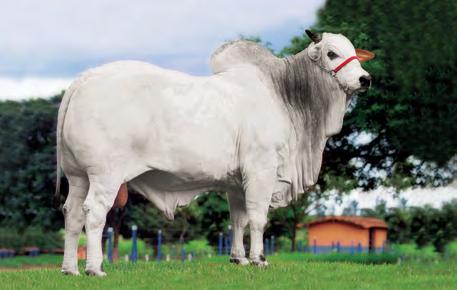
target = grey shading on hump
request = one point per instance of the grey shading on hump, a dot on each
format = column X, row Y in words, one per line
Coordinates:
column 242, row 52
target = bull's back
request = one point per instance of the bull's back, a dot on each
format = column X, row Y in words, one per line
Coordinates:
column 143, row 117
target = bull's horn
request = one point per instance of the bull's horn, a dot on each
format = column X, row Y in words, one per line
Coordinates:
column 315, row 37
column 364, row 55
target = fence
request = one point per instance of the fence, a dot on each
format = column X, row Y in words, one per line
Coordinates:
column 223, row 247
column 336, row 247
column 225, row 243
column 29, row 251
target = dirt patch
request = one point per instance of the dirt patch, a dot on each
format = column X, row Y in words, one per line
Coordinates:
column 28, row 267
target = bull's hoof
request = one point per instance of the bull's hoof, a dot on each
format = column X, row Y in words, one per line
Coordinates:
column 259, row 261
column 70, row 272
column 243, row 261
column 98, row 273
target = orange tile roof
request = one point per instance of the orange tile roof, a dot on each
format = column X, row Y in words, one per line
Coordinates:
column 363, row 222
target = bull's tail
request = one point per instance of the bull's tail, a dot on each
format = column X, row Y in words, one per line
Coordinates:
column 60, row 122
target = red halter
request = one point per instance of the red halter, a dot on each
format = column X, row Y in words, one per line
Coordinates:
column 348, row 60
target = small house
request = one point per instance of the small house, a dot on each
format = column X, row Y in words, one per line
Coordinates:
column 349, row 234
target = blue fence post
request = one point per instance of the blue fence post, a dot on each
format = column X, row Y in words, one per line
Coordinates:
column 314, row 247
column 110, row 244
column 266, row 248
column 230, row 237
column 183, row 254
column 272, row 245
column 359, row 248
column 159, row 245
column 338, row 248
column 134, row 256
column 299, row 246
column 333, row 246
column 226, row 245
column 352, row 247
column 221, row 237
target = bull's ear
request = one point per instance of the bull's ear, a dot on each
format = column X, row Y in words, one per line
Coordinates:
column 314, row 51
column 364, row 55
column 315, row 37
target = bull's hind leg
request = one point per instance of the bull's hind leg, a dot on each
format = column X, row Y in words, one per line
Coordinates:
column 100, row 199
column 74, row 222
column 239, row 218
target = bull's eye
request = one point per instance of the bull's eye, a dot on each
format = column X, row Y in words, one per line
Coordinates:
column 332, row 55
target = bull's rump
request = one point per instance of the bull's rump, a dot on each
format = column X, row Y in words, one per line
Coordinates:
column 138, row 116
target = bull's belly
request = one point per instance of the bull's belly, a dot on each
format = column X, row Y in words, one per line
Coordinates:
column 159, row 180
column 169, row 190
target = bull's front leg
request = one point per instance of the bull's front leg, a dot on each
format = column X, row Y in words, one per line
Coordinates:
column 258, row 196
column 239, row 219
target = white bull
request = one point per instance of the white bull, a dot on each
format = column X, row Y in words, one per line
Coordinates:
column 255, row 129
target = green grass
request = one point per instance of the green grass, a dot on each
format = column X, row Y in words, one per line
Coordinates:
column 24, row 261
column 385, row 258
column 285, row 272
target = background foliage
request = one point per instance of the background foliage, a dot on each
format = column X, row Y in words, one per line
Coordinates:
column 410, row 111
column 409, row 116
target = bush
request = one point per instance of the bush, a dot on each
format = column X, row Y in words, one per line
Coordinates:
column 412, row 252
column 9, row 238
column 283, row 244
column 451, row 250
column 32, row 236
column 199, row 248
column 125, row 247
column 35, row 236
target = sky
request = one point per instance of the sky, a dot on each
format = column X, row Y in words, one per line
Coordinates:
column 45, row 44
column 418, row 196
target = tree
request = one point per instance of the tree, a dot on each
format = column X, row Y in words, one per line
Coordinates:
column 27, row 164
column 410, row 111
column 352, row 209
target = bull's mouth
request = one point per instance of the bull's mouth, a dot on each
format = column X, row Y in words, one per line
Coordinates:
column 359, row 90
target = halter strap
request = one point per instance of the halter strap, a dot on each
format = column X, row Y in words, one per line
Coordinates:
column 348, row 60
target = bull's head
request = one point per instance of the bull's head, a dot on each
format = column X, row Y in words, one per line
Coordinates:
column 336, row 54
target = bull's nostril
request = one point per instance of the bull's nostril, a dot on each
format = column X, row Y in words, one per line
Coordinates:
column 365, row 81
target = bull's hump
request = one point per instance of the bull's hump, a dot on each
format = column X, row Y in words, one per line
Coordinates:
column 240, row 52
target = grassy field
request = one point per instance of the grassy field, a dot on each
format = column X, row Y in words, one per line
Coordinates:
column 25, row 261
column 285, row 272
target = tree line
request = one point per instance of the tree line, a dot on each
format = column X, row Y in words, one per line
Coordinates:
column 409, row 114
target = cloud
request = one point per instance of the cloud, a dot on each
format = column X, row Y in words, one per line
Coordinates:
column 19, row 89
column 61, row 38
column 414, row 196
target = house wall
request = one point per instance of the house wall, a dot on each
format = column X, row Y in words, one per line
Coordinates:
column 346, row 234
column 380, row 236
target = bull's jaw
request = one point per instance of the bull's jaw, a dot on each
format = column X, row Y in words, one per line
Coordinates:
column 334, row 119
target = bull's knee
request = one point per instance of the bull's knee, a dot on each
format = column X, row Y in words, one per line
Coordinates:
column 95, row 216
column 257, row 223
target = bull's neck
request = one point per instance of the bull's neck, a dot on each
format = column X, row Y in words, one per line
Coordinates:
column 306, row 92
